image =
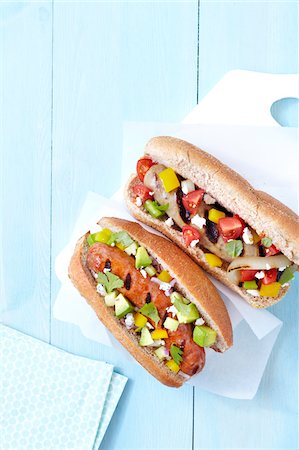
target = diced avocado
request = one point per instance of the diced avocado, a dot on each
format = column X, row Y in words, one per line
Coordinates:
column 204, row 336
column 286, row 276
column 250, row 285
column 132, row 249
column 150, row 270
column 176, row 296
column 122, row 306
column 142, row 258
column 145, row 338
column 171, row 324
column 186, row 313
column 110, row 298
column 160, row 352
column 90, row 239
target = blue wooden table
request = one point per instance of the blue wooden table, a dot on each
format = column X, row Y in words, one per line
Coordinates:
column 71, row 73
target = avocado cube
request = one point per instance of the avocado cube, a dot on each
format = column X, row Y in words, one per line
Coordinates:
column 204, row 336
column 142, row 258
column 145, row 338
column 122, row 306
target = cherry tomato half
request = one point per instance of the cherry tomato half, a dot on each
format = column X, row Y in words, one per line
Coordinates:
column 271, row 251
column 142, row 167
column 143, row 192
column 192, row 200
column 190, row 234
column 231, row 227
column 248, row 274
column 270, row 276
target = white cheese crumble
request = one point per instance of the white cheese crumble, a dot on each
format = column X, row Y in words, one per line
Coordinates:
column 172, row 309
column 208, row 199
column 198, row 221
column 138, row 202
column 187, row 186
column 106, row 270
column 247, row 236
column 113, row 244
column 281, row 269
column 143, row 273
column 95, row 275
column 285, row 285
column 101, row 290
column 260, row 275
column 165, row 286
column 169, row 222
column 253, row 292
column 151, row 193
column 129, row 321
column 194, row 242
column 149, row 326
column 268, row 267
column 157, row 343
column 199, row 321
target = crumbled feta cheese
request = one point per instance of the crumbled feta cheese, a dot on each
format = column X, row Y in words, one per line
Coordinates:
column 138, row 202
column 172, row 309
column 268, row 267
column 149, row 326
column 101, row 290
column 208, row 199
column 247, row 236
column 187, row 186
column 199, row 321
column 106, row 270
column 113, row 244
column 198, row 221
column 95, row 275
column 229, row 240
column 253, row 292
column 151, row 193
column 129, row 321
column 169, row 222
column 260, row 275
column 157, row 343
column 143, row 273
column 194, row 242
column 285, row 285
column 281, row 269
column 165, row 286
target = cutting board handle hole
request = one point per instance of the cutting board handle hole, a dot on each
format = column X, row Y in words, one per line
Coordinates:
column 286, row 111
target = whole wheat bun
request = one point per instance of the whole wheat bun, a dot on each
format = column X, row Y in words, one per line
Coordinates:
column 261, row 211
column 192, row 282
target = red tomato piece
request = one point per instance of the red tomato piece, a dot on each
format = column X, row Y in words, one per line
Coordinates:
column 190, row 234
column 248, row 274
column 142, row 167
column 143, row 192
column 192, row 200
column 231, row 227
column 270, row 276
column 271, row 251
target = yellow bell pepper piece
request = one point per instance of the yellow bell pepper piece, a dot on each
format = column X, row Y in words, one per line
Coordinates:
column 169, row 179
column 159, row 334
column 213, row 260
column 103, row 235
column 215, row 215
column 172, row 365
column 120, row 245
column 270, row 290
column 164, row 276
column 140, row 320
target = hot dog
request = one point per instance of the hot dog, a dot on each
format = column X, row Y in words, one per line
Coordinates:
column 245, row 238
column 154, row 299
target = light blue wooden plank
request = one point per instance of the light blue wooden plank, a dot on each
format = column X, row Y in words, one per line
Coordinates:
column 258, row 36
column 25, row 99
column 115, row 62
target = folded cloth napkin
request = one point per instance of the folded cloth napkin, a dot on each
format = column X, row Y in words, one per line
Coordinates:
column 51, row 399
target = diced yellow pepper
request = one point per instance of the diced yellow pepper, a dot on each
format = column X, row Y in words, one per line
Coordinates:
column 164, row 276
column 213, row 260
column 140, row 320
column 256, row 237
column 172, row 365
column 169, row 179
column 215, row 215
column 270, row 290
column 103, row 235
column 120, row 245
column 159, row 334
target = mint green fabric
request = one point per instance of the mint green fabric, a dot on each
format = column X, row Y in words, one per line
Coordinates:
column 51, row 399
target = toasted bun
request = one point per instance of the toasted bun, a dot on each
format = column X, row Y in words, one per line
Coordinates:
column 261, row 211
column 193, row 283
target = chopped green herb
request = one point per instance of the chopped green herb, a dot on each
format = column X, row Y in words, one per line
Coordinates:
column 150, row 310
column 121, row 237
column 176, row 354
column 267, row 242
column 234, row 248
column 110, row 281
